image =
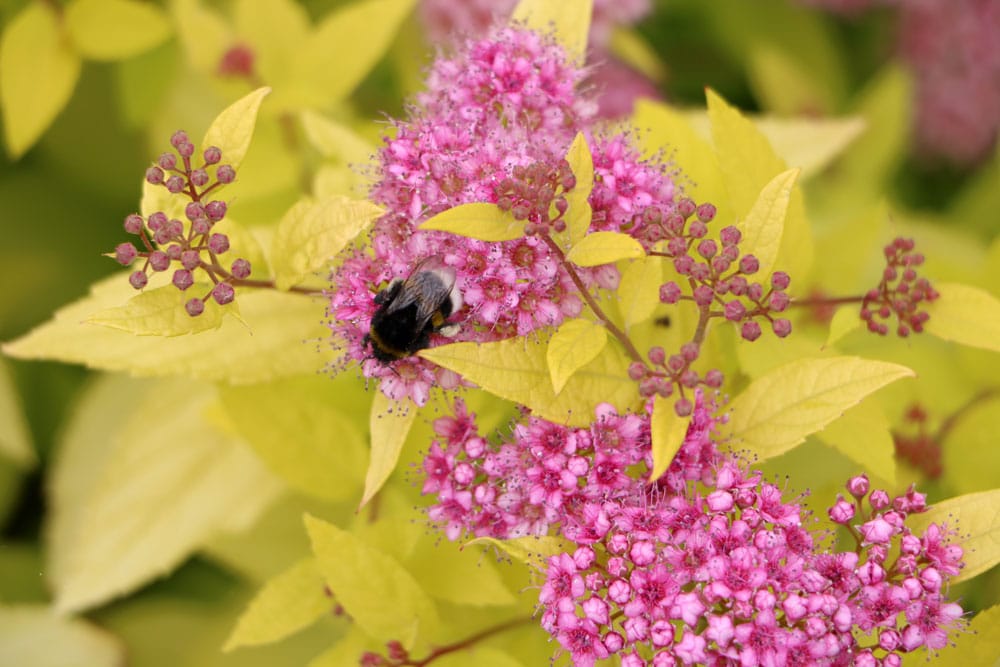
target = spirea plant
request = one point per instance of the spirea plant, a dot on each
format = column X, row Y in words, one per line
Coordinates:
column 515, row 385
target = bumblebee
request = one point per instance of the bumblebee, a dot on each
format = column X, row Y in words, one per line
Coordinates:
column 409, row 311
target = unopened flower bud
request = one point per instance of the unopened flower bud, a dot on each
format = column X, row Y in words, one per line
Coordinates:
column 223, row 293
column 194, row 210
column 858, row 486
column 218, row 243
column 780, row 280
column 706, row 212
column 841, row 512
column 194, row 307
column 175, row 184
column 703, row 295
column 186, row 150
column 133, row 223
column 241, row 268
column 225, row 174
column 734, row 310
column 657, row 355
column 154, row 176
column 125, row 253
column 879, row 499
column 167, row 161
column 199, row 178
column 714, row 378
column 670, row 292
column 781, row 327
column 686, row 207
column 182, row 279
column 683, row 407
column 730, row 236
column 750, row 330
column 212, row 155
column 138, row 279
column 179, row 137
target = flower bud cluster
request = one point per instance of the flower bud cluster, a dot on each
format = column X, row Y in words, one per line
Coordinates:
column 667, row 372
column 920, row 447
column 537, row 193
column 190, row 245
column 900, row 293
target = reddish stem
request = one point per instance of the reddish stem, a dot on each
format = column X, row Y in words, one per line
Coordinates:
column 467, row 642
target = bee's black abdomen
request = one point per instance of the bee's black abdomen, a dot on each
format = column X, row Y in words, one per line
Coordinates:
column 409, row 312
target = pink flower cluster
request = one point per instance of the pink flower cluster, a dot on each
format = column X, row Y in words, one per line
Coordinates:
column 707, row 565
column 500, row 107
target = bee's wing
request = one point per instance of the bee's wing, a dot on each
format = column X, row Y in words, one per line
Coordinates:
column 428, row 286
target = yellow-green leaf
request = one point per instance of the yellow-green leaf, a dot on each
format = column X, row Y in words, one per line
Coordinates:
column 38, row 71
column 785, row 84
column 578, row 212
column 232, row 130
column 15, row 440
column 460, row 576
column 810, row 144
column 532, row 550
column 965, row 314
column 639, row 290
column 381, row 596
column 779, row 409
column 976, row 644
column 486, row 222
column 311, row 234
column 764, row 225
column 748, row 164
column 862, row 435
column 480, row 656
column 289, row 602
column 347, row 651
column 346, row 45
column 600, row 248
column 667, row 430
column 298, row 429
column 570, row 19
column 269, row 345
column 846, row 320
column 390, row 423
column 977, row 521
column 141, row 481
column 115, row 29
column 969, row 456
column 34, row 635
column 335, row 140
column 160, row 312
column 668, row 129
column 516, row 369
column 203, row 32
column 574, row 345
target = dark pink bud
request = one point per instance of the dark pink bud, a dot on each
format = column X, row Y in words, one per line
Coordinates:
column 689, row 378
column 686, row 207
column 779, row 301
column 734, row 311
column 194, row 210
column 174, row 251
column 158, row 260
column 125, row 253
column 223, row 293
column 636, row 370
column 138, row 279
column 707, row 248
column 162, row 236
column 183, row 279
column 670, row 292
column 889, row 640
column 750, row 331
column 133, row 223
column 218, row 243
column 179, row 137
column 714, row 378
column 154, row 176
column 690, row 351
column 215, row 210
column 706, row 212
column 186, row 150
column 677, row 247
column 194, row 307
column 189, row 259
column 157, row 220
column 241, row 269
column 781, row 327
column 212, row 154
column 675, row 363
column 199, row 177
column 780, row 280
column 697, row 229
column 225, row 174
column 201, row 226
column 700, row 271
column 175, row 184
column 657, row 355
column 167, row 161
column 755, row 291
column 720, row 265
column 730, row 236
column 175, row 228
column 683, row 407
column 703, row 295
column 738, row 285
column 683, row 265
